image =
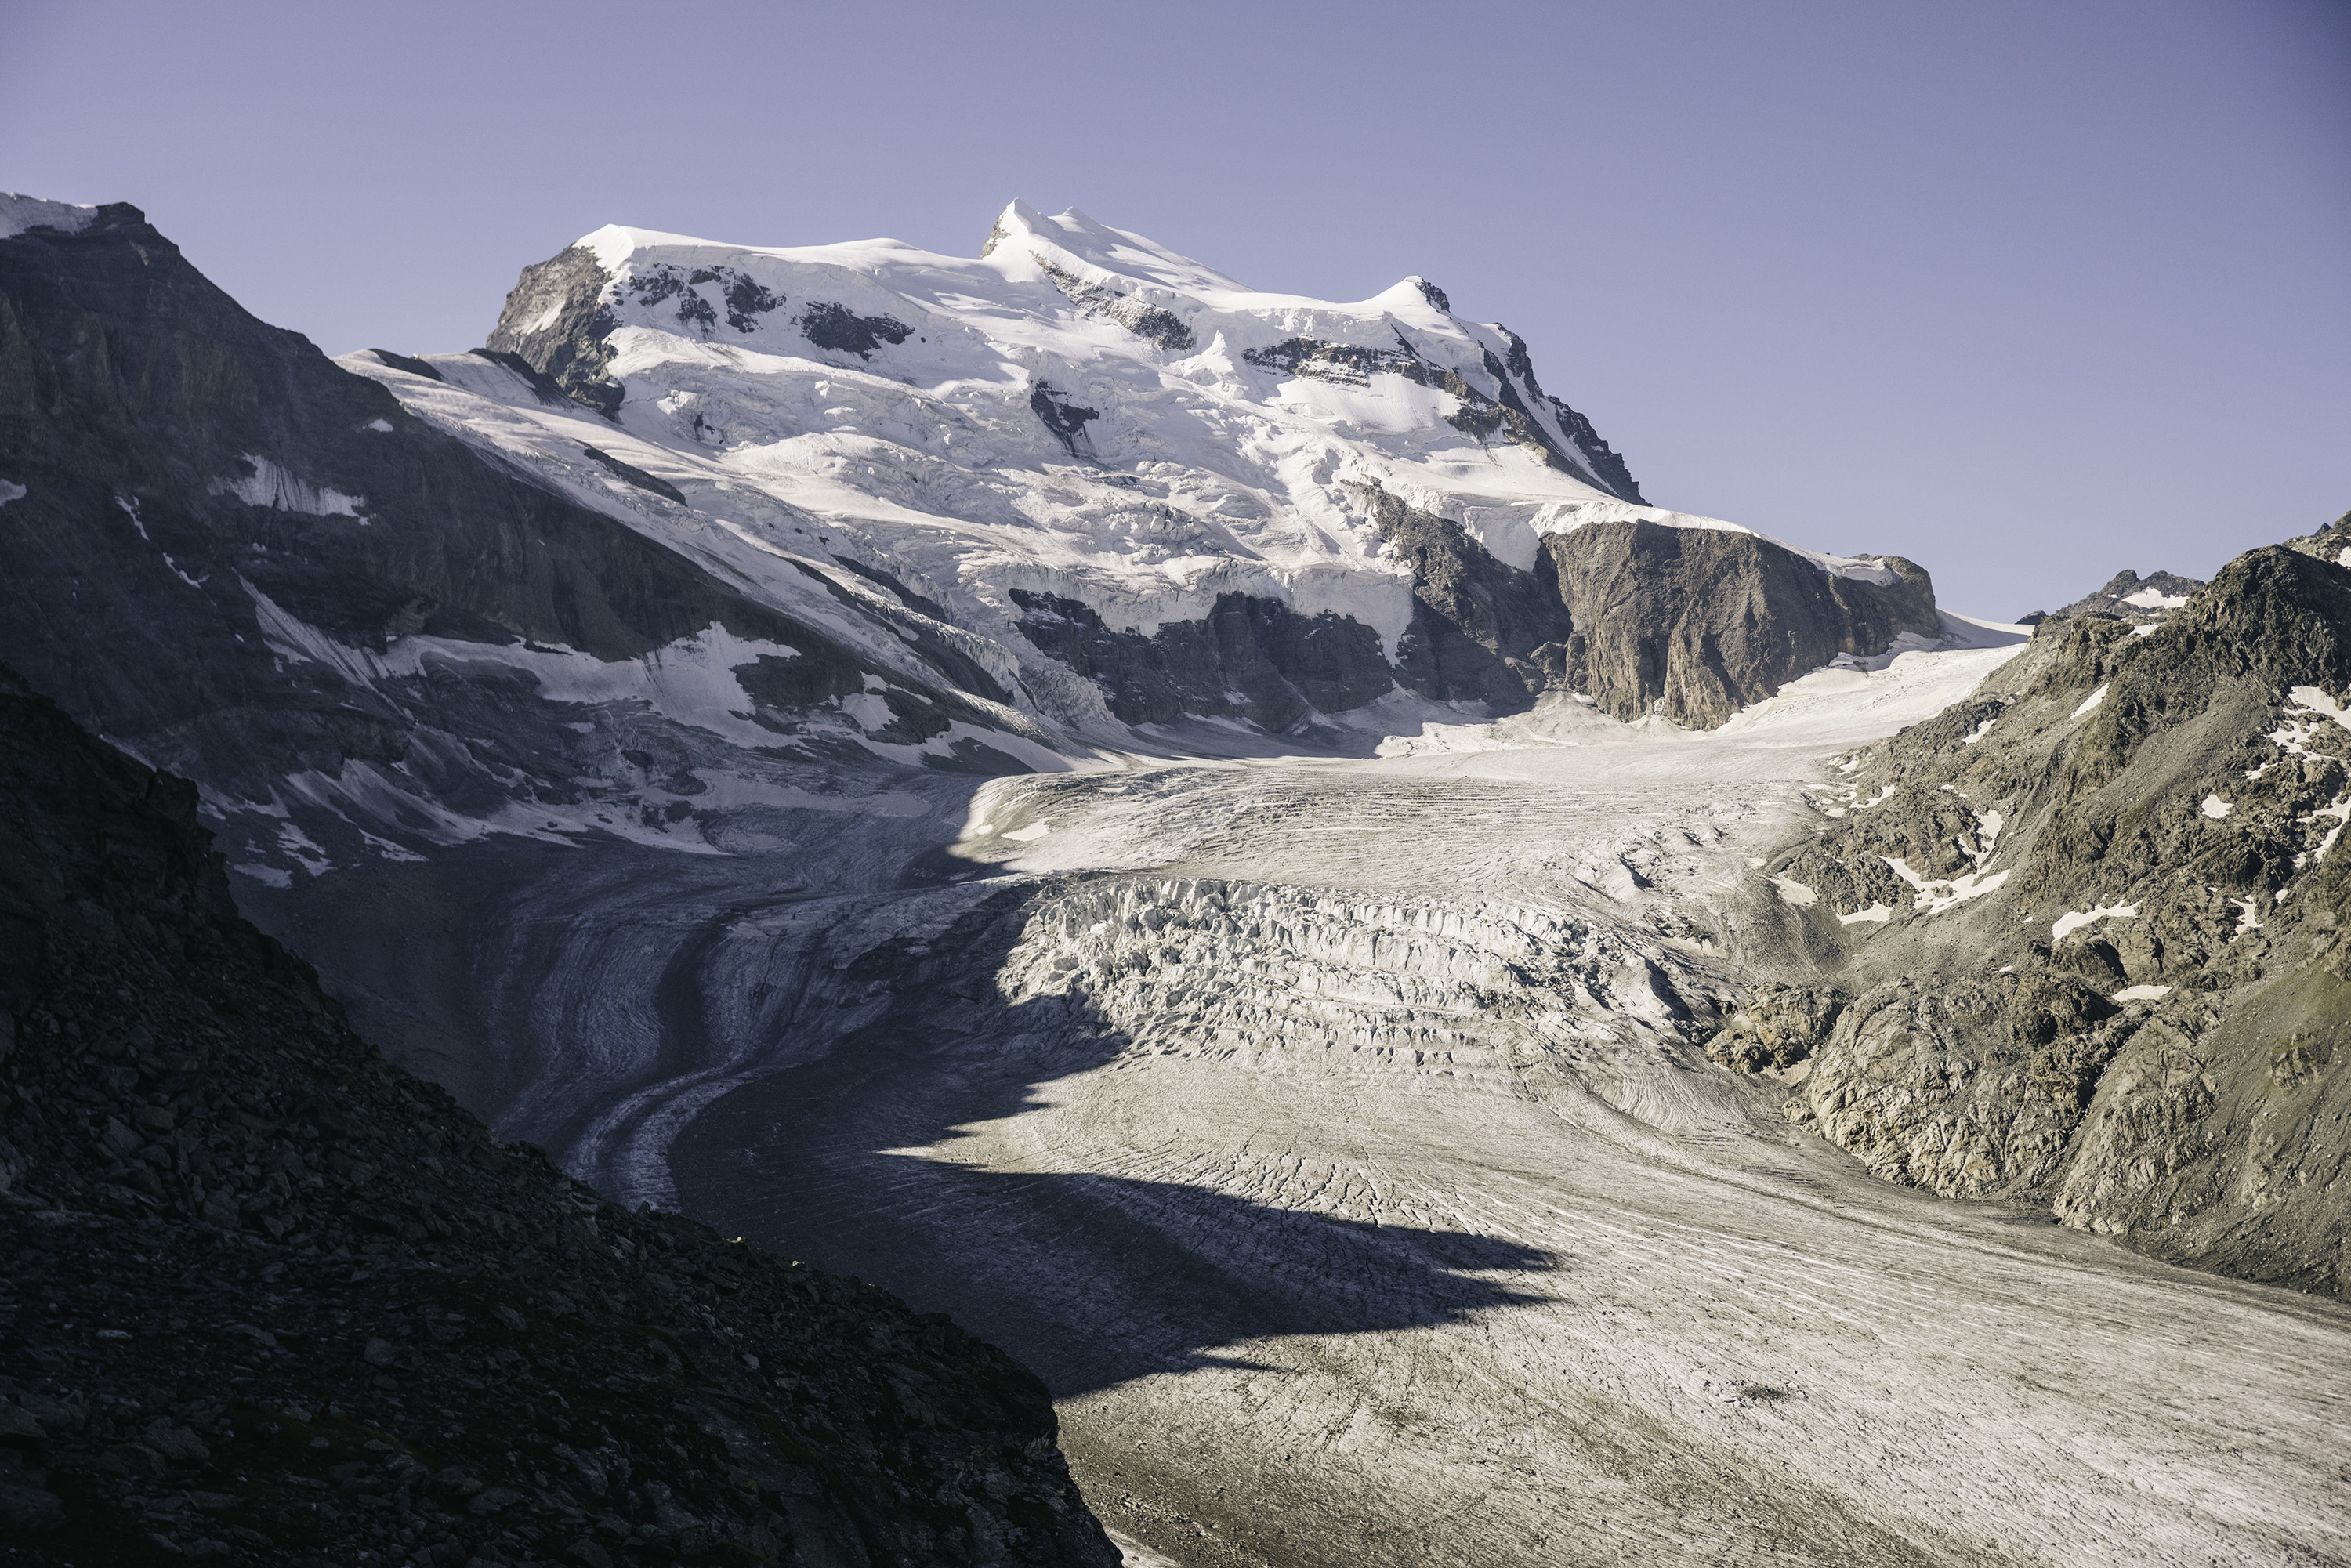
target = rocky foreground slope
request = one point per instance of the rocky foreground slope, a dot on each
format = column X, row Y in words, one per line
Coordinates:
column 266, row 1298
column 2087, row 935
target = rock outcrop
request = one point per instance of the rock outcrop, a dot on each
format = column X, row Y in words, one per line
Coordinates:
column 1696, row 623
column 2099, row 920
column 556, row 322
column 1250, row 658
column 2127, row 596
column 265, row 1299
column 1476, row 622
column 1689, row 623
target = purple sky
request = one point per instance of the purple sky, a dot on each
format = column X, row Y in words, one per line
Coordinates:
column 2028, row 292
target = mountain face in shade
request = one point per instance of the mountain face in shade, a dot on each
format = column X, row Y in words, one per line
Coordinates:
column 201, row 1165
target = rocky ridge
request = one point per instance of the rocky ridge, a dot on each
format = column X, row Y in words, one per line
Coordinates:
column 2087, row 935
column 2127, row 596
column 267, row 1299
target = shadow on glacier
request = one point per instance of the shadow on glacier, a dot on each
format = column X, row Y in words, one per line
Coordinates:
column 547, row 985
column 850, row 1163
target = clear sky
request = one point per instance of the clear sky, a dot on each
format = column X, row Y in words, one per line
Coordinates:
column 2029, row 292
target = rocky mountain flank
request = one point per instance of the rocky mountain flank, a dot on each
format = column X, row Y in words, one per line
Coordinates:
column 2085, row 939
column 265, row 1299
column 235, row 558
column 2127, row 596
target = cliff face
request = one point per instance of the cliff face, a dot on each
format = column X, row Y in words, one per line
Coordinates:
column 2088, row 930
column 269, row 1300
column 1697, row 624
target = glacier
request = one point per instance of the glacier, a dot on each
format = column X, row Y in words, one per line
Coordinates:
column 1105, row 801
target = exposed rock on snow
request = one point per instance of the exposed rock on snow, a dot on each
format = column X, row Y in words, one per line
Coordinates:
column 555, row 320
column 1697, row 624
column 2140, row 600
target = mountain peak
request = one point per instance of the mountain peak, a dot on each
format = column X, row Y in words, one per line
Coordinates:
column 1119, row 251
column 19, row 213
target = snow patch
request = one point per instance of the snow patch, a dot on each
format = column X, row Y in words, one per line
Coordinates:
column 1937, row 895
column 2065, row 924
column 2090, row 702
column 9, row 492
column 2216, row 808
column 2142, row 993
column 271, row 486
column 1878, row 913
column 2155, row 599
column 1799, row 894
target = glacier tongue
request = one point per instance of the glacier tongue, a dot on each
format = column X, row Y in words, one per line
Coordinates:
column 1330, row 1136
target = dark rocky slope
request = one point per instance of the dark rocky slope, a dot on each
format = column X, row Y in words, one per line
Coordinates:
column 1252, row 658
column 265, row 1299
column 2088, row 934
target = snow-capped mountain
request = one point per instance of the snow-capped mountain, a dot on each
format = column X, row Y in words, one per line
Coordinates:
column 1115, row 463
column 738, row 519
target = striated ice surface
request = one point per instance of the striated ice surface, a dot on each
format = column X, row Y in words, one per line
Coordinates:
column 1329, row 1132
